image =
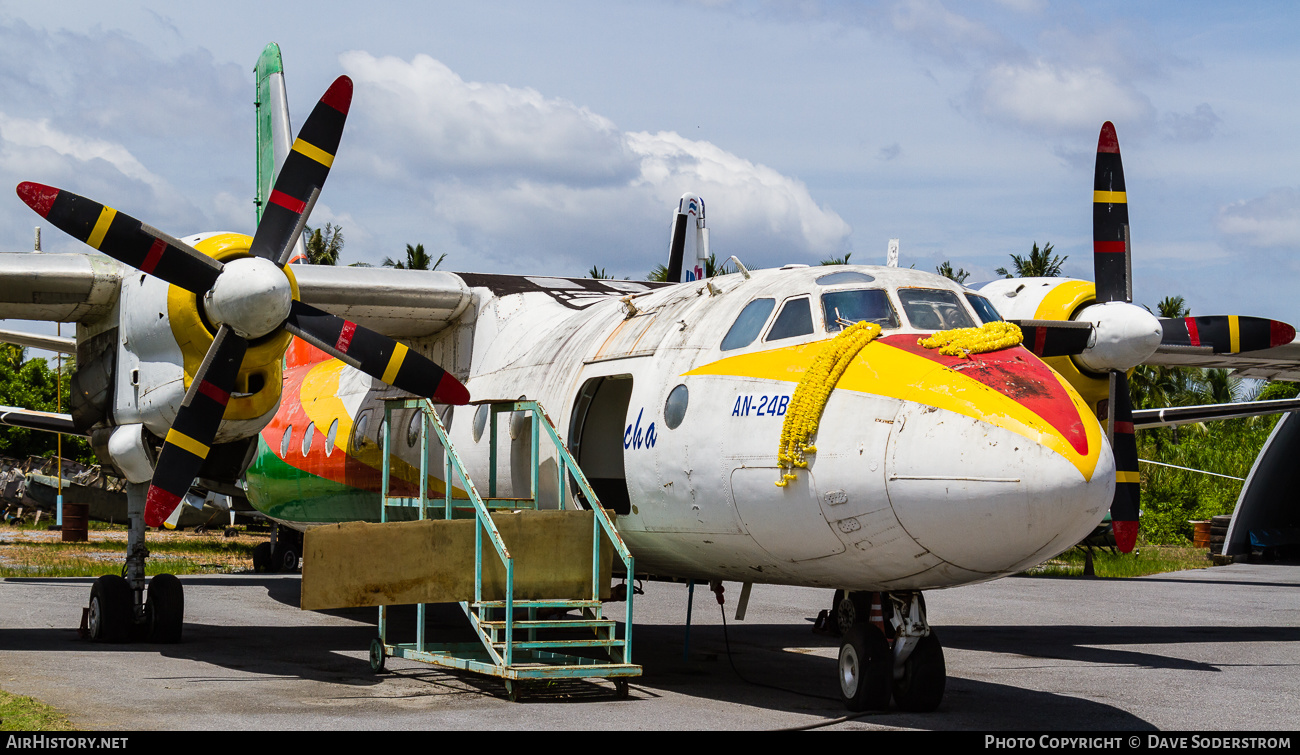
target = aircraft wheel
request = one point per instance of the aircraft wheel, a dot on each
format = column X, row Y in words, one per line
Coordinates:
column 866, row 668
column 111, row 609
column 262, row 558
column 924, row 677
column 851, row 608
column 377, row 656
column 285, row 558
column 165, row 609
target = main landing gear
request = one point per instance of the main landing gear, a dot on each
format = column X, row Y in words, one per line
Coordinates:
column 887, row 649
column 120, row 610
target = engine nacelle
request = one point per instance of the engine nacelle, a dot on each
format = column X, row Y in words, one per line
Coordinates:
column 164, row 335
column 1052, row 299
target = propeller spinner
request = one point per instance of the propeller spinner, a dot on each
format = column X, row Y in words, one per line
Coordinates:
column 247, row 298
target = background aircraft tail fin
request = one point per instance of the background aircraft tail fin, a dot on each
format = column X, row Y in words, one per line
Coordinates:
column 689, row 248
column 274, row 131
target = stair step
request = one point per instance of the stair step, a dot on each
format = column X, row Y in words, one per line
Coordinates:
column 500, row 626
column 555, row 603
column 555, row 644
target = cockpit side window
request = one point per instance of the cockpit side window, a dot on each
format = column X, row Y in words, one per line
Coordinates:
column 843, row 308
column 795, row 319
column 748, row 324
column 934, row 309
column 984, row 308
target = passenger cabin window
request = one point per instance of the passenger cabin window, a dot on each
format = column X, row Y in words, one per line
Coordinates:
column 748, row 325
column 843, row 308
column 984, row 308
column 934, row 309
column 795, row 319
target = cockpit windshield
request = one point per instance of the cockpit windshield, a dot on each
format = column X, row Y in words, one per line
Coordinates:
column 934, row 309
column 843, row 308
column 984, row 308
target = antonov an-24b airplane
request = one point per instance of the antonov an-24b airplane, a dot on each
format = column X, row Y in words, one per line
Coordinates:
column 783, row 426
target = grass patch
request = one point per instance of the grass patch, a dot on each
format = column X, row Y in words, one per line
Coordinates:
column 29, row 553
column 1145, row 560
column 19, row 713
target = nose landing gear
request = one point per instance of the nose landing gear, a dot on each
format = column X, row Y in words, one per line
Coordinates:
column 888, row 649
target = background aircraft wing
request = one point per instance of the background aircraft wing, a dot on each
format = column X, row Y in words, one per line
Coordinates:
column 1276, row 363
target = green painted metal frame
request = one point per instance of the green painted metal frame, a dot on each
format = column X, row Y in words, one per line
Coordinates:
column 484, row 657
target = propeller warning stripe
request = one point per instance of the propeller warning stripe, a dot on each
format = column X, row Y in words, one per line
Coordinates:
column 178, row 438
column 313, row 152
column 190, row 439
column 303, row 174
column 122, row 237
column 376, row 355
column 1112, row 270
column 287, row 202
column 1054, row 339
column 1125, row 507
column 1226, row 334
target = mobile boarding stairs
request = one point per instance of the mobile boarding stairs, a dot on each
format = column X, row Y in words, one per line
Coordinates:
column 495, row 556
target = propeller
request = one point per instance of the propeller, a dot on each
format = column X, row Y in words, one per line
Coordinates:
column 1113, row 275
column 1225, row 334
column 247, row 298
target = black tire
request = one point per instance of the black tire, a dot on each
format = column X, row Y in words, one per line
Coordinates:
column 285, row 558
column 111, row 609
column 851, row 608
column 920, row 690
column 165, row 609
column 377, row 657
column 262, row 558
column 866, row 669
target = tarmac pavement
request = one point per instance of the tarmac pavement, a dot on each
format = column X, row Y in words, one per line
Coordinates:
column 1208, row 650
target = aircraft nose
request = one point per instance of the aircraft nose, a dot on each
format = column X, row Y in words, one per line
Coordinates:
column 988, row 499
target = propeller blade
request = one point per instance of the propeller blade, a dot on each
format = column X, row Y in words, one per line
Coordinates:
column 303, row 174
column 1125, row 507
column 375, row 354
column 1055, row 338
column 188, row 441
column 1226, row 334
column 122, row 237
column 1111, row 261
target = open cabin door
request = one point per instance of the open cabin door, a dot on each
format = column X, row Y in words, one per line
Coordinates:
column 596, row 438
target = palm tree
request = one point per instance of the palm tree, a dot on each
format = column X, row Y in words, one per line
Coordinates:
column 838, row 260
column 1040, row 264
column 324, row 245
column 945, row 269
column 1173, row 306
column 416, row 259
column 599, row 274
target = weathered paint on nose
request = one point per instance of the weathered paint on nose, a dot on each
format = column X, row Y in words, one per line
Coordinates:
column 984, row 498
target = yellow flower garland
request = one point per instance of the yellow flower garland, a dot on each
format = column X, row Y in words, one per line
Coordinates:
column 810, row 396
column 962, row 342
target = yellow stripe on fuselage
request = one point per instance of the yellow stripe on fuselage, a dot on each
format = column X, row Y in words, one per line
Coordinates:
column 1111, row 197
column 101, row 227
column 882, row 370
column 181, row 440
column 314, row 152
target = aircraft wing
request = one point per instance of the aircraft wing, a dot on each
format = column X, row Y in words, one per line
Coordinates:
column 57, row 287
column 1277, row 363
column 34, row 420
column 84, row 287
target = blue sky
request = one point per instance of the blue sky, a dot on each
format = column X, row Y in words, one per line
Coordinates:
column 548, row 137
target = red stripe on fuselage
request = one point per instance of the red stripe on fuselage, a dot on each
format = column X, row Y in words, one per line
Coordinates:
column 1017, row 374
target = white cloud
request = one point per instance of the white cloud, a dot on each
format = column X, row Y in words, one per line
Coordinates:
column 19, row 134
column 1270, row 221
column 1055, row 99
column 507, row 167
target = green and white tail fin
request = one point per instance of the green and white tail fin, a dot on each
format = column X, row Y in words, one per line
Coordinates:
column 274, row 131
